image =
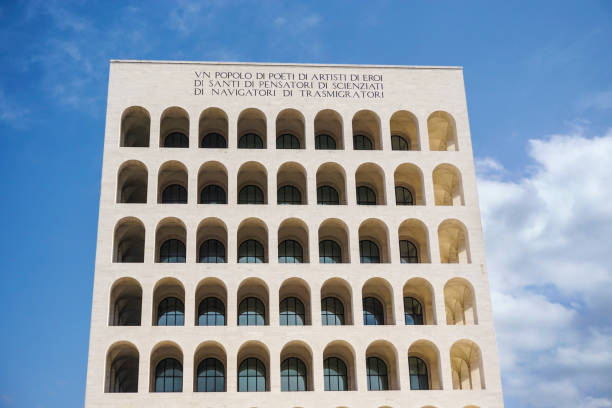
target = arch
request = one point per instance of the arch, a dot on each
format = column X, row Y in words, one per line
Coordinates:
column 293, row 229
column 377, row 290
column 405, row 125
column 466, row 366
column 253, row 229
column 454, row 242
column 290, row 128
column 331, row 175
column 448, row 188
column 209, row 312
column 415, row 232
column 172, row 173
column 174, row 128
column 296, row 376
column 373, row 230
column 135, row 127
column 125, row 308
column 121, row 368
column 442, row 132
column 129, row 241
column 372, row 176
column 408, row 179
column 422, row 291
column 213, row 128
column 166, row 374
column 248, row 352
column 253, row 174
column 169, row 313
column 252, row 121
column 170, row 241
column 212, row 183
column 209, row 362
column 335, row 230
column 367, row 123
column 250, row 313
column 298, row 291
column 211, row 241
column 386, row 352
column 424, row 366
column 460, row 302
column 132, row 180
column 329, row 122
column 336, row 288
column 292, row 174
column 342, row 350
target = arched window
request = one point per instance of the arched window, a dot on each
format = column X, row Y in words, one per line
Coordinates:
column 327, row 195
column 211, row 312
column 251, row 312
column 172, row 251
column 212, row 251
column 399, row 143
column 289, row 195
column 176, row 139
column 287, row 141
column 413, row 311
column 373, row 312
column 174, row 194
column 251, row 375
column 292, row 312
column 124, row 374
column 332, row 311
column 419, row 379
column 213, row 194
column 251, row 251
column 171, row 312
column 127, row 311
column 290, row 251
column 362, row 142
column 329, row 252
column 169, row 376
column 293, row 375
column 403, row 196
column 250, row 141
column 408, row 252
column 213, row 141
column 325, row 142
column 335, row 374
column 378, row 379
column 365, row 196
column 211, row 376
column 250, row 195
column 368, row 252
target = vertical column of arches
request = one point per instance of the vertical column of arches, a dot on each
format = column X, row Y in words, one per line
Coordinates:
column 132, row 180
column 294, row 308
column 296, row 367
column 253, row 367
column 459, row 302
column 419, row 305
column 366, row 131
column 293, row 241
column 336, row 303
column 210, row 362
column 122, row 361
column 253, row 303
column 213, row 129
column 211, row 241
column 328, row 130
column 174, row 128
column 370, row 184
column 413, row 242
column 381, row 365
column 408, row 185
column 168, row 303
column 339, row 367
column 135, row 127
column 404, row 131
column 466, row 365
column 125, row 308
column 334, row 242
column 170, row 241
column 172, row 183
column 252, row 184
column 212, row 183
column 291, row 184
column 290, row 133
column 442, row 132
column 453, row 241
column 331, row 184
column 129, row 241
column 373, row 242
column 252, row 241
column 211, row 303
column 252, row 129
column 377, row 299
column 448, row 188
column 166, row 368
column 424, row 366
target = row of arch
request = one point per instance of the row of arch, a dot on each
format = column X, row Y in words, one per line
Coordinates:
column 290, row 129
column 296, row 368
column 252, row 184
column 293, row 241
column 295, row 304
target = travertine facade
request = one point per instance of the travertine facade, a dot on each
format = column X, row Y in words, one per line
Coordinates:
column 423, row 241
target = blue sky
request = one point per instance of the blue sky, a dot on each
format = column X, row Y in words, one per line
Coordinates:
column 539, row 87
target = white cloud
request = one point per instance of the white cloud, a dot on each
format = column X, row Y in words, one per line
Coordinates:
column 548, row 244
